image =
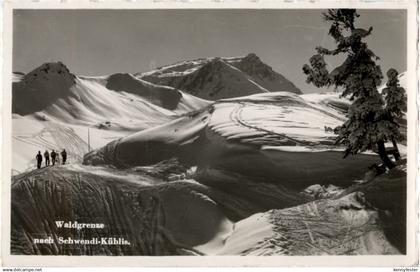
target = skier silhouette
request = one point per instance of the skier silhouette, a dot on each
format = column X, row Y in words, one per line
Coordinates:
column 64, row 156
column 38, row 159
column 47, row 158
column 53, row 155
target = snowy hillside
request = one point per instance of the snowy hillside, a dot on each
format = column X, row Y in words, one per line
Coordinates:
column 41, row 87
column 271, row 134
column 218, row 78
column 292, row 121
column 52, row 92
column 53, row 109
column 184, row 217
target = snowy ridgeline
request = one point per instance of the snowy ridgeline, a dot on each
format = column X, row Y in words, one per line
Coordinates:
column 51, row 106
column 218, row 78
column 54, row 109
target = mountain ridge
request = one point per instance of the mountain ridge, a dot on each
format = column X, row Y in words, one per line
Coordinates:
column 202, row 76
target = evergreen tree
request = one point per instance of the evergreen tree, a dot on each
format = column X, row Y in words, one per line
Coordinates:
column 395, row 97
column 359, row 76
column 395, row 105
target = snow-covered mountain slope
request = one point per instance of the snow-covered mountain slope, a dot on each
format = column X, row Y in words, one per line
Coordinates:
column 260, row 171
column 218, row 78
column 154, row 215
column 328, row 226
column 41, row 87
column 174, row 174
column 53, row 109
column 263, row 74
column 30, row 135
column 277, row 135
column 51, row 92
column 279, row 119
column 159, row 217
column 163, row 96
column 180, row 137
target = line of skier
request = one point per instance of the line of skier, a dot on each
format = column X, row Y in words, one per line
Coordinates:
column 55, row 157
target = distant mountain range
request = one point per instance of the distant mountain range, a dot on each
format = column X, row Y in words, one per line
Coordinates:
column 52, row 91
column 218, row 78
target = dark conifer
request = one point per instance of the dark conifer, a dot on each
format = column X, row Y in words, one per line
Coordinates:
column 369, row 125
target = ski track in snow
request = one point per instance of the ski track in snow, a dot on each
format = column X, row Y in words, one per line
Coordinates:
column 65, row 137
column 56, row 136
column 236, row 117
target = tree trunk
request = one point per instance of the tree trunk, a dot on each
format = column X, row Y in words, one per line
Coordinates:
column 382, row 153
column 397, row 155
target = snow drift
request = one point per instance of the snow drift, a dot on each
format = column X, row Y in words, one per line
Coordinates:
column 187, row 218
column 157, row 218
column 253, row 136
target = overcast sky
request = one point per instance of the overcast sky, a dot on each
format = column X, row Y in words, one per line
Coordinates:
column 99, row 42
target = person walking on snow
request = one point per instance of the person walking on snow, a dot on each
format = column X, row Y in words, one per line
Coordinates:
column 47, row 158
column 53, row 154
column 38, row 159
column 64, row 156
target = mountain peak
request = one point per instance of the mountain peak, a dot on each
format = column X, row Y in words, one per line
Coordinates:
column 221, row 77
column 49, row 70
column 252, row 65
column 264, row 75
column 40, row 87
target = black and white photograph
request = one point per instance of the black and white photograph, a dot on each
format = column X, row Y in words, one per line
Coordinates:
column 209, row 132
